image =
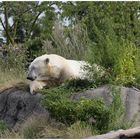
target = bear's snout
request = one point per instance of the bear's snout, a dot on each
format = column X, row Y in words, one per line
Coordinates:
column 30, row 78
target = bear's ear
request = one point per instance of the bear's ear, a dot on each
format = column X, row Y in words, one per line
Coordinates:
column 47, row 60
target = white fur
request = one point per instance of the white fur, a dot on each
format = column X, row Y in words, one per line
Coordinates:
column 34, row 85
column 59, row 65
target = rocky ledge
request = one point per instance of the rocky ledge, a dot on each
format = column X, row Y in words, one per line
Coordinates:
column 17, row 104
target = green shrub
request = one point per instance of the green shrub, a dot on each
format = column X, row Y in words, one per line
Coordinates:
column 119, row 56
column 34, row 48
column 105, row 117
column 125, row 65
column 68, row 111
column 137, row 65
column 66, row 88
column 96, row 109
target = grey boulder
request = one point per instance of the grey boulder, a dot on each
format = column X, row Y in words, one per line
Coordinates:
column 17, row 104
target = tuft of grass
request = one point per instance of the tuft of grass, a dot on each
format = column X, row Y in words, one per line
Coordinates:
column 79, row 130
column 33, row 126
column 54, row 130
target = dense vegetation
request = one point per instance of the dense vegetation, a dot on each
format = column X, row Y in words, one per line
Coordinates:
column 105, row 33
column 103, row 117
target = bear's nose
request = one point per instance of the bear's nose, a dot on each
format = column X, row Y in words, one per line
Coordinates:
column 30, row 78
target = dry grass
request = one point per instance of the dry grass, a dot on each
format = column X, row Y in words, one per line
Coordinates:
column 11, row 78
column 71, row 44
column 41, row 127
column 34, row 126
column 54, row 132
column 7, row 134
column 79, row 130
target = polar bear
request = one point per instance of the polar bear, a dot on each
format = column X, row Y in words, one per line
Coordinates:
column 55, row 68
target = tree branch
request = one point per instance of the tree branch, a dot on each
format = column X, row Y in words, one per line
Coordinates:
column 6, row 27
column 33, row 24
column 7, row 33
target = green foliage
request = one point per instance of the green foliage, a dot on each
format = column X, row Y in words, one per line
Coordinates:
column 120, row 57
column 117, row 107
column 113, row 36
column 3, row 126
column 34, row 48
column 104, row 117
column 123, row 14
column 27, row 20
column 137, row 69
column 125, row 66
column 65, row 90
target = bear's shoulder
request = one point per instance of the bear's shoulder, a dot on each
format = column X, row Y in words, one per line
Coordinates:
column 50, row 56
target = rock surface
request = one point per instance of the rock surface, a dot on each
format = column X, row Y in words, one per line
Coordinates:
column 17, row 104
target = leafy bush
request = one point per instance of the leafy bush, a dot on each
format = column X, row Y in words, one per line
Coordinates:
column 119, row 57
column 34, row 48
column 137, row 67
column 125, row 66
column 104, row 118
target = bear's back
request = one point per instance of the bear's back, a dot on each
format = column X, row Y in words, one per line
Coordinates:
column 53, row 60
column 78, row 68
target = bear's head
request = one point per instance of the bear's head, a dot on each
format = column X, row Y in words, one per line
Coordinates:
column 42, row 70
column 39, row 69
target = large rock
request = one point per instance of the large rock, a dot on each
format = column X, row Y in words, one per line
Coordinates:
column 130, row 99
column 17, row 104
